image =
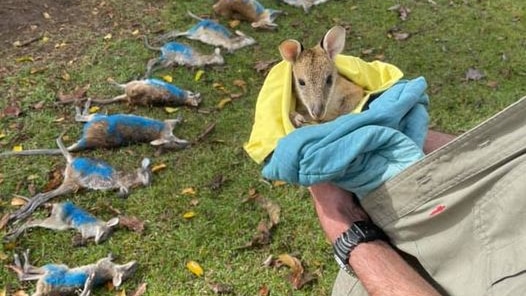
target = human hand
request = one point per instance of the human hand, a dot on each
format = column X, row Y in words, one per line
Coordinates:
column 336, row 209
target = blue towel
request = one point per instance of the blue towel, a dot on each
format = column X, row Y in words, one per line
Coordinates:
column 357, row 152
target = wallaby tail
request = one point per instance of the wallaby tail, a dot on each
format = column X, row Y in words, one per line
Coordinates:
column 27, row 209
column 147, row 44
column 31, row 152
column 194, row 16
column 63, row 149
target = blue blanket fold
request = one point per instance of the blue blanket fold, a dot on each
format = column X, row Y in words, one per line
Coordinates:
column 357, row 152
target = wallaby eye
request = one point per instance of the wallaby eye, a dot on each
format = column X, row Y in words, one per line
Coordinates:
column 301, row 82
column 329, row 80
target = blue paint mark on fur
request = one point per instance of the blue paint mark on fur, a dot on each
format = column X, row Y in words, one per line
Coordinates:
column 89, row 167
column 212, row 26
column 77, row 215
column 176, row 48
column 61, row 276
column 174, row 90
column 115, row 124
column 259, row 8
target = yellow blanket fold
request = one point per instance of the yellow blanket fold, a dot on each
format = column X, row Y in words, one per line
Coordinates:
column 275, row 99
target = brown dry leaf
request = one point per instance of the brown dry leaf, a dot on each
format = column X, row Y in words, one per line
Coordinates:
column 298, row 277
column 54, row 179
column 492, row 84
column 219, row 288
column 234, row 23
column 12, row 110
column 20, row 293
column 217, row 182
column 133, row 223
column 140, row 290
column 271, row 207
column 278, row 183
column 39, row 105
column 4, row 220
column 241, row 84
column 18, row 201
column 208, row 129
column 474, row 74
column 262, row 236
column 264, row 290
column 399, row 36
column 264, row 66
column 403, row 12
column 37, row 70
column 77, row 94
column 3, row 256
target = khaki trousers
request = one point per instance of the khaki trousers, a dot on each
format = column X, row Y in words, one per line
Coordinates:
column 461, row 211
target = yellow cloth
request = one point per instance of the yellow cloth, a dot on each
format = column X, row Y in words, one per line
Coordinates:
column 275, row 99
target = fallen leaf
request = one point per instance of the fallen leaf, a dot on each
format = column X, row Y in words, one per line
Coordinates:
column 278, row 183
column 264, row 66
column 194, row 268
column 18, row 201
column 298, row 277
column 189, row 215
column 188, row 191
column 217, row 182
column 24, row 59
column 133, row 223
column 121, row 292
column 2, row 135
column 39, row 105
column 135, row 32
column 168, row 78
column 55, row 178
column 17, row 148
column 492, row 84
column 263, row 291
column 209, row 128
column 65, row 76
column 107, row 37
column 61, row 119
column 12, row 110
column 158, row 167
column 38, row 70
column 233, row 23
column 241, row 84
column 474, row 74
column 94, row 109
column 140, row 290
column 78, row 93
column 3, row 257
column 46, row 15
column 198, row 75
column 170, row 110
column 219, row 288
column 223, row 102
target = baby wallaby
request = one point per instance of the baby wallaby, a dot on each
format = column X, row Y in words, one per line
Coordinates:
column 88, row 173
column 321, row 93
column 153, row 92
column 59, row 279
column 115, row 130
column 211, row 32
column 66, row 216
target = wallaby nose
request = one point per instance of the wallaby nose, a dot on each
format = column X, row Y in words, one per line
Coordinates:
column 317, row 112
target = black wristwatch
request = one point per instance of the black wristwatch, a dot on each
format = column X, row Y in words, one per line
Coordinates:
column 359, row 232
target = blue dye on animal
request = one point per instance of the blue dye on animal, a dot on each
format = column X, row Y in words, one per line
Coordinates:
column 77, row 216
column 92, row 167
column 176, row 47
column 210, row 25
column 172, row 89
column 61, row 276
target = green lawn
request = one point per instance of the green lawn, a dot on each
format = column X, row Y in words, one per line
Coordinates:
column 446, row 39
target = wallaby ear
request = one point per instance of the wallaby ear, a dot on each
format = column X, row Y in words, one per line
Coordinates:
column 145, row 163
column 112, row 222
column 117, row 279
column 334, row 41
column 290, row 50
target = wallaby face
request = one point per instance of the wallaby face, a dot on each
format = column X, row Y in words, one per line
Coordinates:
column 317, row 85
column 313, row 70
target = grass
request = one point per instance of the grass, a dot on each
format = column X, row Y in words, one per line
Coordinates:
column 446, row 40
